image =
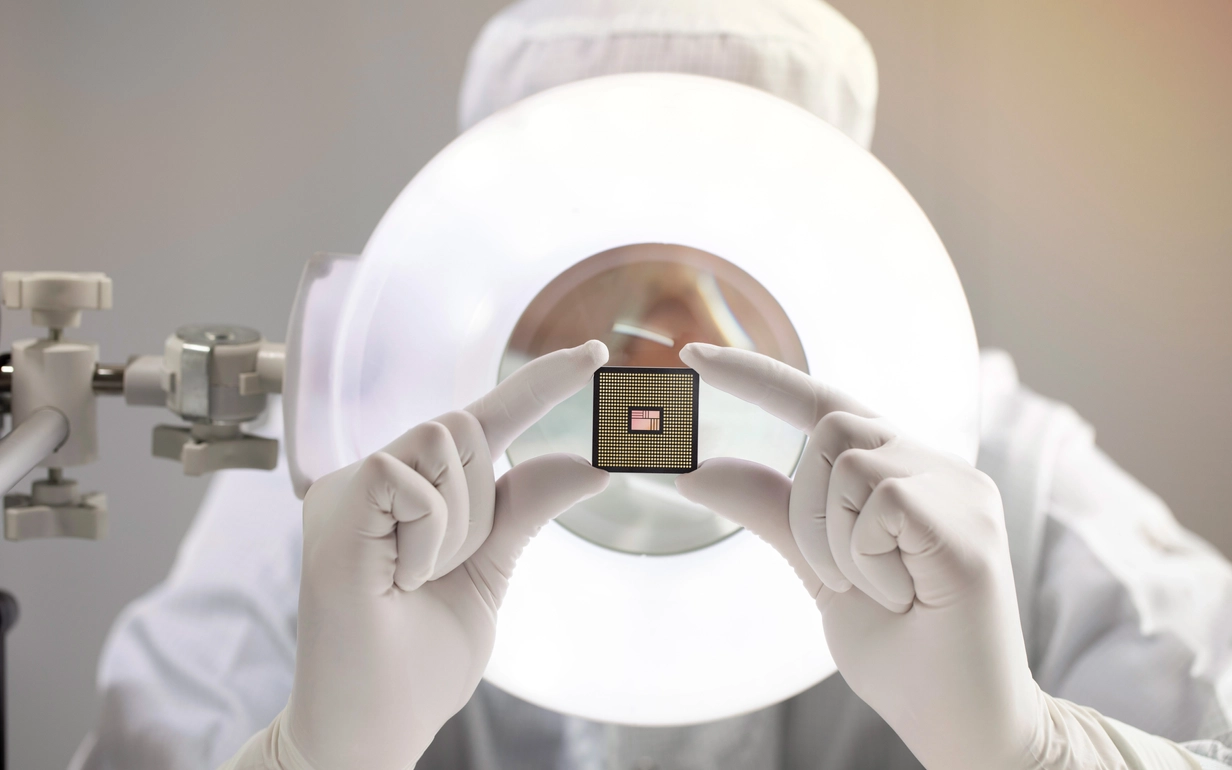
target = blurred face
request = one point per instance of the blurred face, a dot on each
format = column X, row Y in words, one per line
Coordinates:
column 648, row 301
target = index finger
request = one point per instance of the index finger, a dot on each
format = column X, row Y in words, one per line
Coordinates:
column 783, row 391
column 529, row 393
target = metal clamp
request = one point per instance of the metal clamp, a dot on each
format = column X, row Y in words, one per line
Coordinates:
column 216, row 377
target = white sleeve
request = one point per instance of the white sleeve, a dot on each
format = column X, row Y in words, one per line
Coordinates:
column 1212, row 754
column 1133, row 612
column 191, row 670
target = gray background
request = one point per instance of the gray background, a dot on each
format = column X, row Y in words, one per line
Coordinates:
column 1073, row 155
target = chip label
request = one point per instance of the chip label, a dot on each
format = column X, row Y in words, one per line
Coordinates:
column 645, row 419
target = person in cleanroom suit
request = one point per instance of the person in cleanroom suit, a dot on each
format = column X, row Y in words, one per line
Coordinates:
column 1066, row 622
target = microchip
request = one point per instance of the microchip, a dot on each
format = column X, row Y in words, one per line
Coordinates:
column 645, row 420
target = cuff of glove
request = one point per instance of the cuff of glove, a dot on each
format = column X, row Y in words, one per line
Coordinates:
column 1073, row 737
column 270, row 749
column 1143, row 751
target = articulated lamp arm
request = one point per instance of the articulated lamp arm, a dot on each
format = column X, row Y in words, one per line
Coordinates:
column 214, row 377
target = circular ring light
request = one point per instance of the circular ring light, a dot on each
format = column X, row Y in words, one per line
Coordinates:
column 619, row 161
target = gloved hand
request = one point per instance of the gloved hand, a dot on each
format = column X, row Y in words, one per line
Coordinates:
column 904, row 548
column 407, row 556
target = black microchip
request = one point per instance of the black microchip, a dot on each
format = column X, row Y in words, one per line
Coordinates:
column 645, row 420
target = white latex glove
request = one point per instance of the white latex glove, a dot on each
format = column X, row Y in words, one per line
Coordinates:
column 407, row 556
column 904, row 548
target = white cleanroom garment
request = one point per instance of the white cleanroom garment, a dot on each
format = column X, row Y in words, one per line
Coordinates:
column 1130, row 615
column 803, row 51
column 206, row 660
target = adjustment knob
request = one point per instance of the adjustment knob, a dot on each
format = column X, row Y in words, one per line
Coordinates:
column 55, row 299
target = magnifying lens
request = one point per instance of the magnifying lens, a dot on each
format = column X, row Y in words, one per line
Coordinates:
column 646, row 211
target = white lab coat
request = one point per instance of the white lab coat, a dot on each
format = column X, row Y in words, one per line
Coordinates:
column 1123, row 611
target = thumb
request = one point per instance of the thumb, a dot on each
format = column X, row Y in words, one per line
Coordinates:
column 527, row 497
column 756, row 498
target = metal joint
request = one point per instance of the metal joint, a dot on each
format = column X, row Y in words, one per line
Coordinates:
column 109, row 379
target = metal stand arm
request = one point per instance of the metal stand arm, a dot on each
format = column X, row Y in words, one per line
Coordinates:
column 29, row 444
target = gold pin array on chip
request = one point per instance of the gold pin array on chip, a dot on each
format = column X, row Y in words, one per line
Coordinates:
column 645, row 420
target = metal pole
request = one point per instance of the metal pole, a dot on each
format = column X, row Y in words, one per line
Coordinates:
column 109, row 379
column 29, row 444
column 8, row 619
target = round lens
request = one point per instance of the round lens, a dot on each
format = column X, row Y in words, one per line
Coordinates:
column 646, row 302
